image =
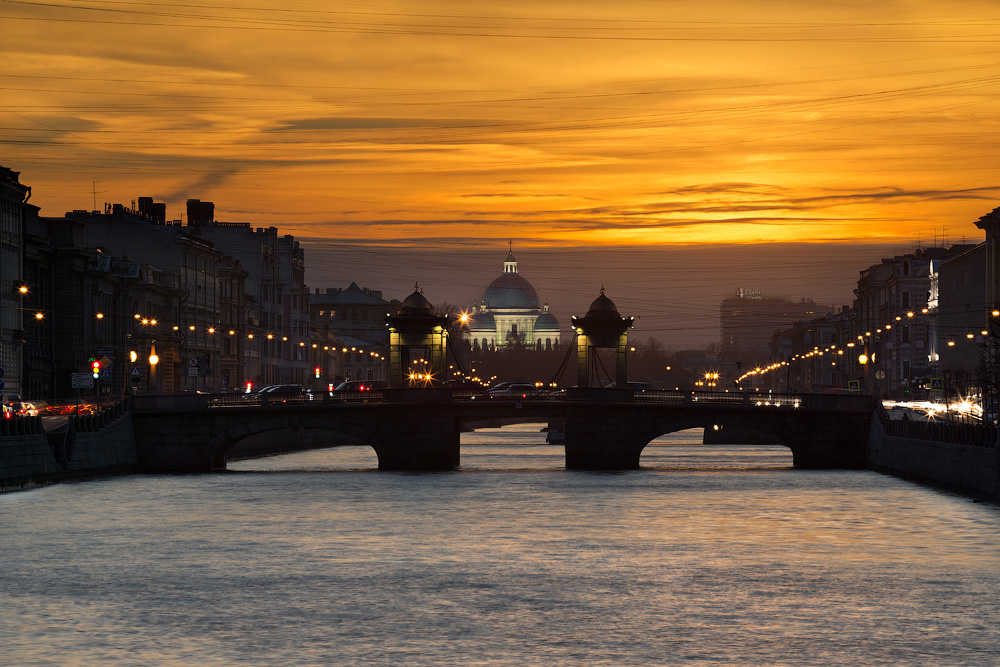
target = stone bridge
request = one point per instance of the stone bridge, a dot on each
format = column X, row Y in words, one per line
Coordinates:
column 419, row 429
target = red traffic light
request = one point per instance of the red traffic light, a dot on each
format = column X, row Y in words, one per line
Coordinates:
column 316, row 370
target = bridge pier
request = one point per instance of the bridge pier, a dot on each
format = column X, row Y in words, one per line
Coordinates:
column 839, row 442
column 418, row 438
column 600, row 440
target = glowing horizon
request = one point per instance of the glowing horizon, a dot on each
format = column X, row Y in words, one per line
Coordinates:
column 415, row 122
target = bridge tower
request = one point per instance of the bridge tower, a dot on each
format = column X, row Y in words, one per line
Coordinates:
column 416, row 333
column 601, row 327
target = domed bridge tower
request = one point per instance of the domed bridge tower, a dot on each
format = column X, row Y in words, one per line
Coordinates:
column 418, row 340
column 601, row 327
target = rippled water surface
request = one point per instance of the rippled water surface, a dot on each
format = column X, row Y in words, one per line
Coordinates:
column 710, row 555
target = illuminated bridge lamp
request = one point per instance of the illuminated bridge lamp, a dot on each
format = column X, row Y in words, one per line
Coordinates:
column 862, row 359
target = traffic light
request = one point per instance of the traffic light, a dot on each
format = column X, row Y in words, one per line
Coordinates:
column 96, row 366
column 316, row 370
column 249, row 386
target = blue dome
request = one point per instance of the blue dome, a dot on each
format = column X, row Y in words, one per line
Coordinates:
column 482, row 322
column 546, row 322
column 511, row 291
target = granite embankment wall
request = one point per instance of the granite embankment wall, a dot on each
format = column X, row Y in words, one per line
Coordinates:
column 958, row 457
column 88, row 446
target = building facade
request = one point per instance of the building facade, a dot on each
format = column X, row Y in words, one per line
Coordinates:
column 511, row 314
column 896, row 319
column 13, row 198
column 188, row 337
column 749, row 319
column 279, row 349
column 355, row 318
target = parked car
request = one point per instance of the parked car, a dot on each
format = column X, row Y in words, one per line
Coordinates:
column 522, row 391
column 360, row 385
column 283, row 392
column 499, row 390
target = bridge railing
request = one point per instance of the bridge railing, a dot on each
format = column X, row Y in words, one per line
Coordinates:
column 264, row 400
column 745, row 399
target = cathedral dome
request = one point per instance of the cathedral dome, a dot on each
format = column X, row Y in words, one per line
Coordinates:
column 511, row 291
column 546, row 322
column 483, row 322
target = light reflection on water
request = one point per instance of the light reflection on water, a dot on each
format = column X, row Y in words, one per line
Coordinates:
column 719, row 555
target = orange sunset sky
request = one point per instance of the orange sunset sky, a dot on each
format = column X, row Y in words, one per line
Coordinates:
column 556, row 123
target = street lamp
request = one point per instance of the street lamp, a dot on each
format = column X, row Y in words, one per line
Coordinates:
column 153, row 360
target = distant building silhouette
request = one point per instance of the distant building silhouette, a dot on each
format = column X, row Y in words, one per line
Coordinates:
column 749, row 320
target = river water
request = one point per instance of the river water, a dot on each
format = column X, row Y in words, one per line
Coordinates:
column 710, row 555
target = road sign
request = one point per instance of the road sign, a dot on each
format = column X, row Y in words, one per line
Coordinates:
column 83, row 381
column 1, row 385
column 193, row 372
column 937, row 384
column 105, row 350
column 854, row 385
column 135, row 372
column 105, row 362
column 105, row 374
column 879, row 375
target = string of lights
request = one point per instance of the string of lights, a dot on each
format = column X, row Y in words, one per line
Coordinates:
column 868, row 338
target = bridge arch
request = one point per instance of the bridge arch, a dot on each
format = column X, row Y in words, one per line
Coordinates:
column 222, row 443
column 684, row 421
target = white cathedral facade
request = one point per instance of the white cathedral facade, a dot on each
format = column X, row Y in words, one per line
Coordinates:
column 510, row 314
